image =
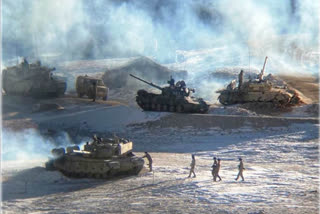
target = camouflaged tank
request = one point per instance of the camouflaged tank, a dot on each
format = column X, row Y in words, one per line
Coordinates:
column 258, row 90
column 102, row 158
column 33, row 80
column 173, row 98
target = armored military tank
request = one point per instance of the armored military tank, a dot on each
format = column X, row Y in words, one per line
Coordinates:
column 33, row 80
column 173, row 98
column 257, row 90
column 101, row 158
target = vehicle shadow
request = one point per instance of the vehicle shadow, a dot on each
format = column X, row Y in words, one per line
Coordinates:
column 37, row 182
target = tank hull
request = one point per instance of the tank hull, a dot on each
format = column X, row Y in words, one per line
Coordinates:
column 158, row 102
column 78, row 166
column 235, row 97
column 30, row 88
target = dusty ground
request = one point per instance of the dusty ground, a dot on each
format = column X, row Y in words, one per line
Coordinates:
column 281, row 176
column 280, row 154
column 307, row 85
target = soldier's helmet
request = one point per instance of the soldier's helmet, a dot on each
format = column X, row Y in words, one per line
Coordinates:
column 214, row 158
column 240, row 159
column 219, row 159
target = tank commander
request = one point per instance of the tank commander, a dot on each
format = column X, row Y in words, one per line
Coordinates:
column 260, row 76
column 216, row 171
column 192, row 165
column 241, row 168
column 149, row 159
column 240, row 79
column 232, row 85
column 171, row 82
column 24, row 61
column 95, row 139
column 24, row 65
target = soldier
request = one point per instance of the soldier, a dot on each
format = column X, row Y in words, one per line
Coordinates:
column 193, row 164
column 214, row 165
column 24, row 65
column 94, row 91
column 171, row 82
column 241, row 168
column 260, row 76
column 240, row 79
column 95, row 139
column 232, row 85
column 149, row 159
column 216, row 171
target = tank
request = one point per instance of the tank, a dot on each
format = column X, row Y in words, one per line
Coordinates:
column 257, row 90
column 101, row 158
column 86, row 85
column 173, row 98
column 33, row 80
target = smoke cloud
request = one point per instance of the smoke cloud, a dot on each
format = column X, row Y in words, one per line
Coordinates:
column 110, row 28
column 30, row 144
column 198, row 36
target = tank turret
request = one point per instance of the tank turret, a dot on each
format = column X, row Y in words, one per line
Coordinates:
column 32, row 79
column 101, row 158
column 174, row 98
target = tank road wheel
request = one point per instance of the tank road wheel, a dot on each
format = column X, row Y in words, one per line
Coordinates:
column 104, row 176
column 158, row 107
column 153, row 106
column 147, row 106
column 180, row 108
column 164, row 107
column 172, row 108
column 97, row 175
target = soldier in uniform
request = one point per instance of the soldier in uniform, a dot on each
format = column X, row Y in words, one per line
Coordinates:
column 149, row 159
column 171, row 82
column 193, row 164
column 241, row 168
column 24, row 65
column 214, row 166
column 240, row 79
column 216, row 171
column 232, row 85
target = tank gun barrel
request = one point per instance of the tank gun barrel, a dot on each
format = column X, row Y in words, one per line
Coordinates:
column 262, row 71
column 264, row 65
column 149, row 83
